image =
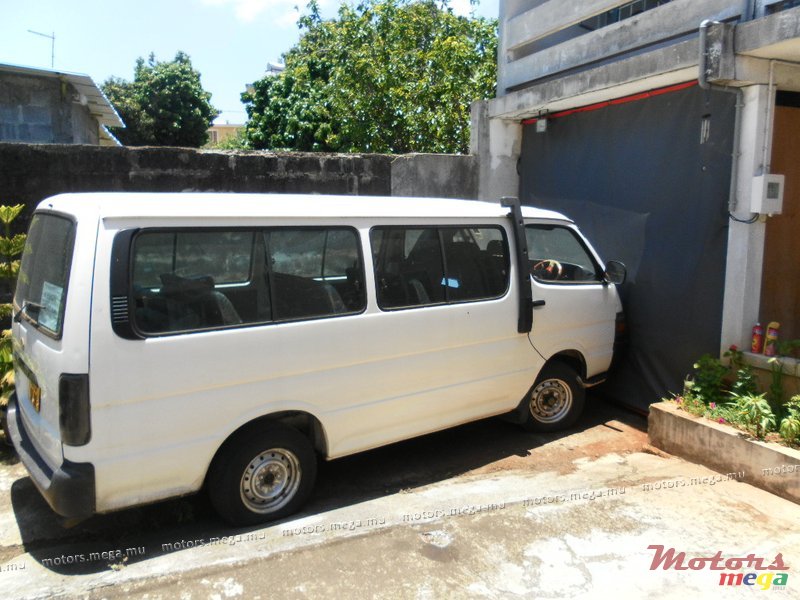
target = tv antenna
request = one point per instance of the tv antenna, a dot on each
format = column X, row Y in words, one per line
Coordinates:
column 52, row 38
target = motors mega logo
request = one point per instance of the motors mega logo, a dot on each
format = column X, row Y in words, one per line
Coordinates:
column 731, row 568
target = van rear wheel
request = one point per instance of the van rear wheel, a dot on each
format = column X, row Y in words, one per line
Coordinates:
column 262, row 475
column 556, row 400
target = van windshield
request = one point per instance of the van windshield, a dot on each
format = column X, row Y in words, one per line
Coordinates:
column 44, row 272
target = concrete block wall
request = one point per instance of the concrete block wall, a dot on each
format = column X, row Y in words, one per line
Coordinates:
column 31, row 172
column 435, row 175
column 39, row 110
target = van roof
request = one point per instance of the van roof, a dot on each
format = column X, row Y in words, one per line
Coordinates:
column 127, row 204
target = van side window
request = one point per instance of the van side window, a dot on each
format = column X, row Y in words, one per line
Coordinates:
column 206, row 279
column 558, row 256
column 225, row 256
column 314, row 272
column 177, row 278
column 418, row 267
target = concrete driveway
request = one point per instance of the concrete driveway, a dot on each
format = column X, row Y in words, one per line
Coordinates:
column 485, row 511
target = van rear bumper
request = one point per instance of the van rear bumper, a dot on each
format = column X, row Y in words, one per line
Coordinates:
column 69, row 489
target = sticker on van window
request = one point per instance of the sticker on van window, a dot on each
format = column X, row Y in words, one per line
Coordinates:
column 451, row 283
column 51, row 305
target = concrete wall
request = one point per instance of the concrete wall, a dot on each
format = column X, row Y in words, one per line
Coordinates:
column 42, row 110
column 436, row 175
column 496, row 144
column 31, row 172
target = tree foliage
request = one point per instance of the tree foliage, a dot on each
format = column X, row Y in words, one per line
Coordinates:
column 164, row 105
column 391, row 76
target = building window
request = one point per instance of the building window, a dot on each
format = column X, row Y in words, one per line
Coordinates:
column 784, row 5
column 621, row 13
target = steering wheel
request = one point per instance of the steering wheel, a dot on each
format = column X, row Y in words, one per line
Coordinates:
column 547, row 269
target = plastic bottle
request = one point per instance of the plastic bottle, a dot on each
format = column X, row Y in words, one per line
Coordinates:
column 757, row 345
column 771, row 343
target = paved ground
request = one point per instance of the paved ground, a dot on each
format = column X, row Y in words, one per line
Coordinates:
column 485, row 511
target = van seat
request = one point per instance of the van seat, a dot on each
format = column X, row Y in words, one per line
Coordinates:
column 297, row 297
column 194, row 302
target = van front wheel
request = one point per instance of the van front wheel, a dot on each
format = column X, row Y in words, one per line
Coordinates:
column 556, row 399
column 263, row 475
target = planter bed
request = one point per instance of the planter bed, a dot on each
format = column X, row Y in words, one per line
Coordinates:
column 769, row 466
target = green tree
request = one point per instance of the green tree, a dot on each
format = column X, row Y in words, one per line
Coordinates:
column 384, row 76
column 164, row 105
column 11, row 246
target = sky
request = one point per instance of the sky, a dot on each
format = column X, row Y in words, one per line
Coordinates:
column 230, row 42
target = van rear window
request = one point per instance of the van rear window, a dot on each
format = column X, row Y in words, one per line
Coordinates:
column 44, row 272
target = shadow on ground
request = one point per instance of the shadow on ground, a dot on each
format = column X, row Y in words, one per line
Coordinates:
column 133, row 535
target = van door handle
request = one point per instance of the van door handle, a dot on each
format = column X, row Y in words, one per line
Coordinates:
column 538, row 303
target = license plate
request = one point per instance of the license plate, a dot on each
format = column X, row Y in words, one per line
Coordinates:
column 35, row 396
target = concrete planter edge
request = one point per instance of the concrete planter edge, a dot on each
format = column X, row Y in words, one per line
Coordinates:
column 769, row 466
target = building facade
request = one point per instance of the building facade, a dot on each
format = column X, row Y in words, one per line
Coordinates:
column 653, row 124
column 52, row 107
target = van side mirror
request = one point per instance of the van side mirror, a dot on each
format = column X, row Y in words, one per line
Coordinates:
column 616, row 272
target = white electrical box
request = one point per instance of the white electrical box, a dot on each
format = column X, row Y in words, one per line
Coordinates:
column 767, row 198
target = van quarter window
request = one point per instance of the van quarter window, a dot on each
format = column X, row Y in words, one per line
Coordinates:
column 195, row 280
column 426, row 266
column 44, row 272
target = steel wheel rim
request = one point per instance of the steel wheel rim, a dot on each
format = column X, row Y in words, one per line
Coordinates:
column 270, row 480
column 550, row 401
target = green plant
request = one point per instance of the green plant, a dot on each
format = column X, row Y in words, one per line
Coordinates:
column 11, row 246
column 790, row 424
column 788, row 348
column 164, row 105
column 745, row 383
column 708, row 379
column 755, row 413
column 375, row 78
column 235, row 142
column 735, row 356
column 747, row 409
column 775, row 393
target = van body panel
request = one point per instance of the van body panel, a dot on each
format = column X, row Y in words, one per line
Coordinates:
column 575, row 316
column 370, row 379
column 69, row 488
column 42, row 358
column 163, row 404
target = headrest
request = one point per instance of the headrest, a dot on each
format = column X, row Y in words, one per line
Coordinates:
column 175, row 285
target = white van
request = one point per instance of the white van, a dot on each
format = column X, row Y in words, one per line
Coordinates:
column 169, row 342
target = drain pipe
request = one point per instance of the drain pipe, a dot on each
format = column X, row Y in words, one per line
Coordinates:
column 748, row 12
column 704, row 83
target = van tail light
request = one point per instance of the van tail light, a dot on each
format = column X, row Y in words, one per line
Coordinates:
column 620, row 327
column 620, row 335
column 73, row 409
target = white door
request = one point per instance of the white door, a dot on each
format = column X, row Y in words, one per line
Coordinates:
column 574, row 308
column 51, row 327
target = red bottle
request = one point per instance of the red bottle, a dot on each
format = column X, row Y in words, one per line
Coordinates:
column 757, row 345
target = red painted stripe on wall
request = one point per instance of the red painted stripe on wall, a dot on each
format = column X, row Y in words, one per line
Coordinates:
column 624, row 100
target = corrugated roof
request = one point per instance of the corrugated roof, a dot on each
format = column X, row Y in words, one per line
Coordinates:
column 96, row 102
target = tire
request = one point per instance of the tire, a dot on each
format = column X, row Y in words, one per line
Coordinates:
column 556, row 400
column 262, row 475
